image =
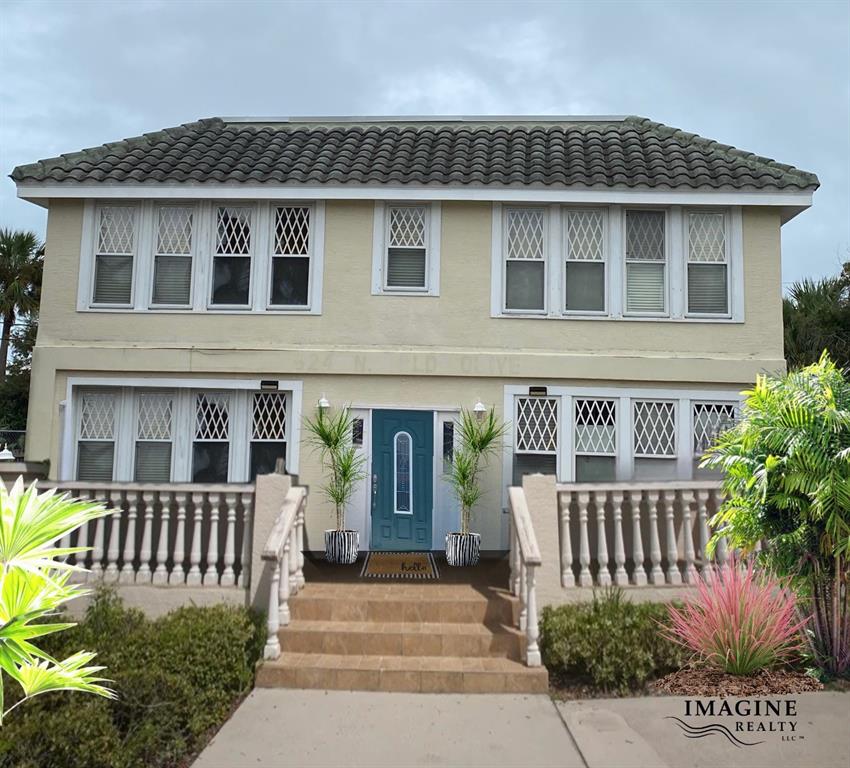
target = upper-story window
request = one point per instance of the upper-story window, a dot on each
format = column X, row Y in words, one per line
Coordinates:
column 584, row 268
column 172, row 268
column 291, row 246
column 708, row 270
column 115, row 247
column 525, row 259
column 231, row 274
column 406, row 249
column 646, row 262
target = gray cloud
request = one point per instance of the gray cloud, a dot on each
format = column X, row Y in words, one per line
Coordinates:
column 772, row 78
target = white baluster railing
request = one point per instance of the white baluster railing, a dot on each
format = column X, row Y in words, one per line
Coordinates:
column 280, row 550
column 663, row 526
column 150, row 551
column 525, row 553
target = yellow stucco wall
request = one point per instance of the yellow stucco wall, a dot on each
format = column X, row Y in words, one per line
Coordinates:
column 386, row 350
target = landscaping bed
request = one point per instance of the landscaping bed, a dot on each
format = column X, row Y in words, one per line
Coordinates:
column 700, row 681
column 178, row 678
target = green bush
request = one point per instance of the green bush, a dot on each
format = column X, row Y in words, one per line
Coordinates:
column 610, row 643
column 177, row 677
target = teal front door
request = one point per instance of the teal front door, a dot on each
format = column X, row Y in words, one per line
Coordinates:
column 402, row 480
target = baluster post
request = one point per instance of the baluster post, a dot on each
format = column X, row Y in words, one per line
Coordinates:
column 128, row 574
column 144, row 574
column 160, row 575
column 585, row 578
column 178, row 574
column 514, row 560
column 272, row 649
column 193, row 578
column 97, row 544
column 600, row 500
column 669, row 507
column 532, row 632
column 247, row 533
column 689, row 505
column 617, row 502
column 283, row 596
column 639, row 574
column 568, row 579
column 299, row 545
column 113, row 550
column 211, row 572
column 656, row 575
column 227, row 577
column 702, row 498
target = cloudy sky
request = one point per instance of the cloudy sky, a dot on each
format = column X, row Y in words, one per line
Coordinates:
column 771, row 78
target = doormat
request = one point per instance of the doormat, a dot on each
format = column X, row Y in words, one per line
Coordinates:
column 400, row 565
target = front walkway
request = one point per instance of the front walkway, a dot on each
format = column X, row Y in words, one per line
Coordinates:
column 276, row 728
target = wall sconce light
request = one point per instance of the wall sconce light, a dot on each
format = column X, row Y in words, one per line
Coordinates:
column 324, row 403
column 6, row 454
column 479, row 409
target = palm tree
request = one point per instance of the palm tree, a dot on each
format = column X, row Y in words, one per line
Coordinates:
column 21, row 267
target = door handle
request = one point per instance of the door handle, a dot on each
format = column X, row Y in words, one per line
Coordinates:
column 374, row 484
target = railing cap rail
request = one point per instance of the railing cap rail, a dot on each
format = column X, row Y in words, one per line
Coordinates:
column 62, row 485
column 669, row 485
column 524, row 529
column 283, row 524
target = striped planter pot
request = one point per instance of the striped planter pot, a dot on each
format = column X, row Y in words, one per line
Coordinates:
column 341, row 546
column 463, row 548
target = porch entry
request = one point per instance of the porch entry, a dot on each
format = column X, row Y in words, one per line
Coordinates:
column 402, row 480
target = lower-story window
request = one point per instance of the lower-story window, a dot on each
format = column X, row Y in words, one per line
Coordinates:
column 146, row 435
column 595, row 447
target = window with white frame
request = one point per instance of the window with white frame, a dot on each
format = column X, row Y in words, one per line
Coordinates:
column 584, row 267
column 710, row 419
column 172, row 266
column 231, row 273
column 115, row 244
column 96, row 436
column 268, row 432
column 646, row 262
column 154, row 429
column 595, row 439
column 211, row 445
column 654, row 434
column 535, row 436
column 291, row 249
column 708, row 264
column 407, row 248
column 525, row 259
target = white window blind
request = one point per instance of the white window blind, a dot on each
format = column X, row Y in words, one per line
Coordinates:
column 654, row 424
column 536, row 429
column 232, row 261
column 645, row 262
column 96, row 436
column 153, row 437
column 172, row 275
column 290, row 283
column 268, row 431
column 525, row 259
column 584, row 270
column 114, row 249
column 407, row 247
column 708, row 272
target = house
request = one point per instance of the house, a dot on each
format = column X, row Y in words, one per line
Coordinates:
column 608, row 284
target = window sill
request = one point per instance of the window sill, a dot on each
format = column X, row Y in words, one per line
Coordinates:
column 191, row 311
column 690, row 320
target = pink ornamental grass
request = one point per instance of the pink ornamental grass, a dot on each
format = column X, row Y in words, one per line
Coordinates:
column 739, row 620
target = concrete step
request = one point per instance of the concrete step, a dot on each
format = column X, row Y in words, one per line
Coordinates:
column 401, row 603
column 373, row 638
column 426, row 674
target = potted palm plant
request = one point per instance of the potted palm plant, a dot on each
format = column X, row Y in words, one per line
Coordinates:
column 331, row 436
column 479, row 436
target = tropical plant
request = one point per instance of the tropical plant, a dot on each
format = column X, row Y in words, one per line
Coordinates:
column 331, row 436
column 478, row 439
column 787, row 481
column 816, row 316
column 34, row 583
column 21, row 268
column 739, row 621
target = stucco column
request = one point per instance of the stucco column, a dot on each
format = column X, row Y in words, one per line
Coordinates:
column 542, row 499
column 270, row 493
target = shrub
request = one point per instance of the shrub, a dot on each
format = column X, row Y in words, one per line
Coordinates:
column 177, row 679
column 611, row 643
column 739, row 621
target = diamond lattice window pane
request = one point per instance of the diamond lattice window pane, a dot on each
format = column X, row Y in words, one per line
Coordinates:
column 154, row 422
column 116, row 230
column 292, row 231
column 645, row 235
column 212, row 417
column 707, row 237
column 536, row 425
column 525, row 233
column 654, row 428
column 269, row 418
column 97, row 416
column 174, row 232
column 710, row 419
column 595, row 426
column 407, row 227
column 233, row 230
column 585, row 235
